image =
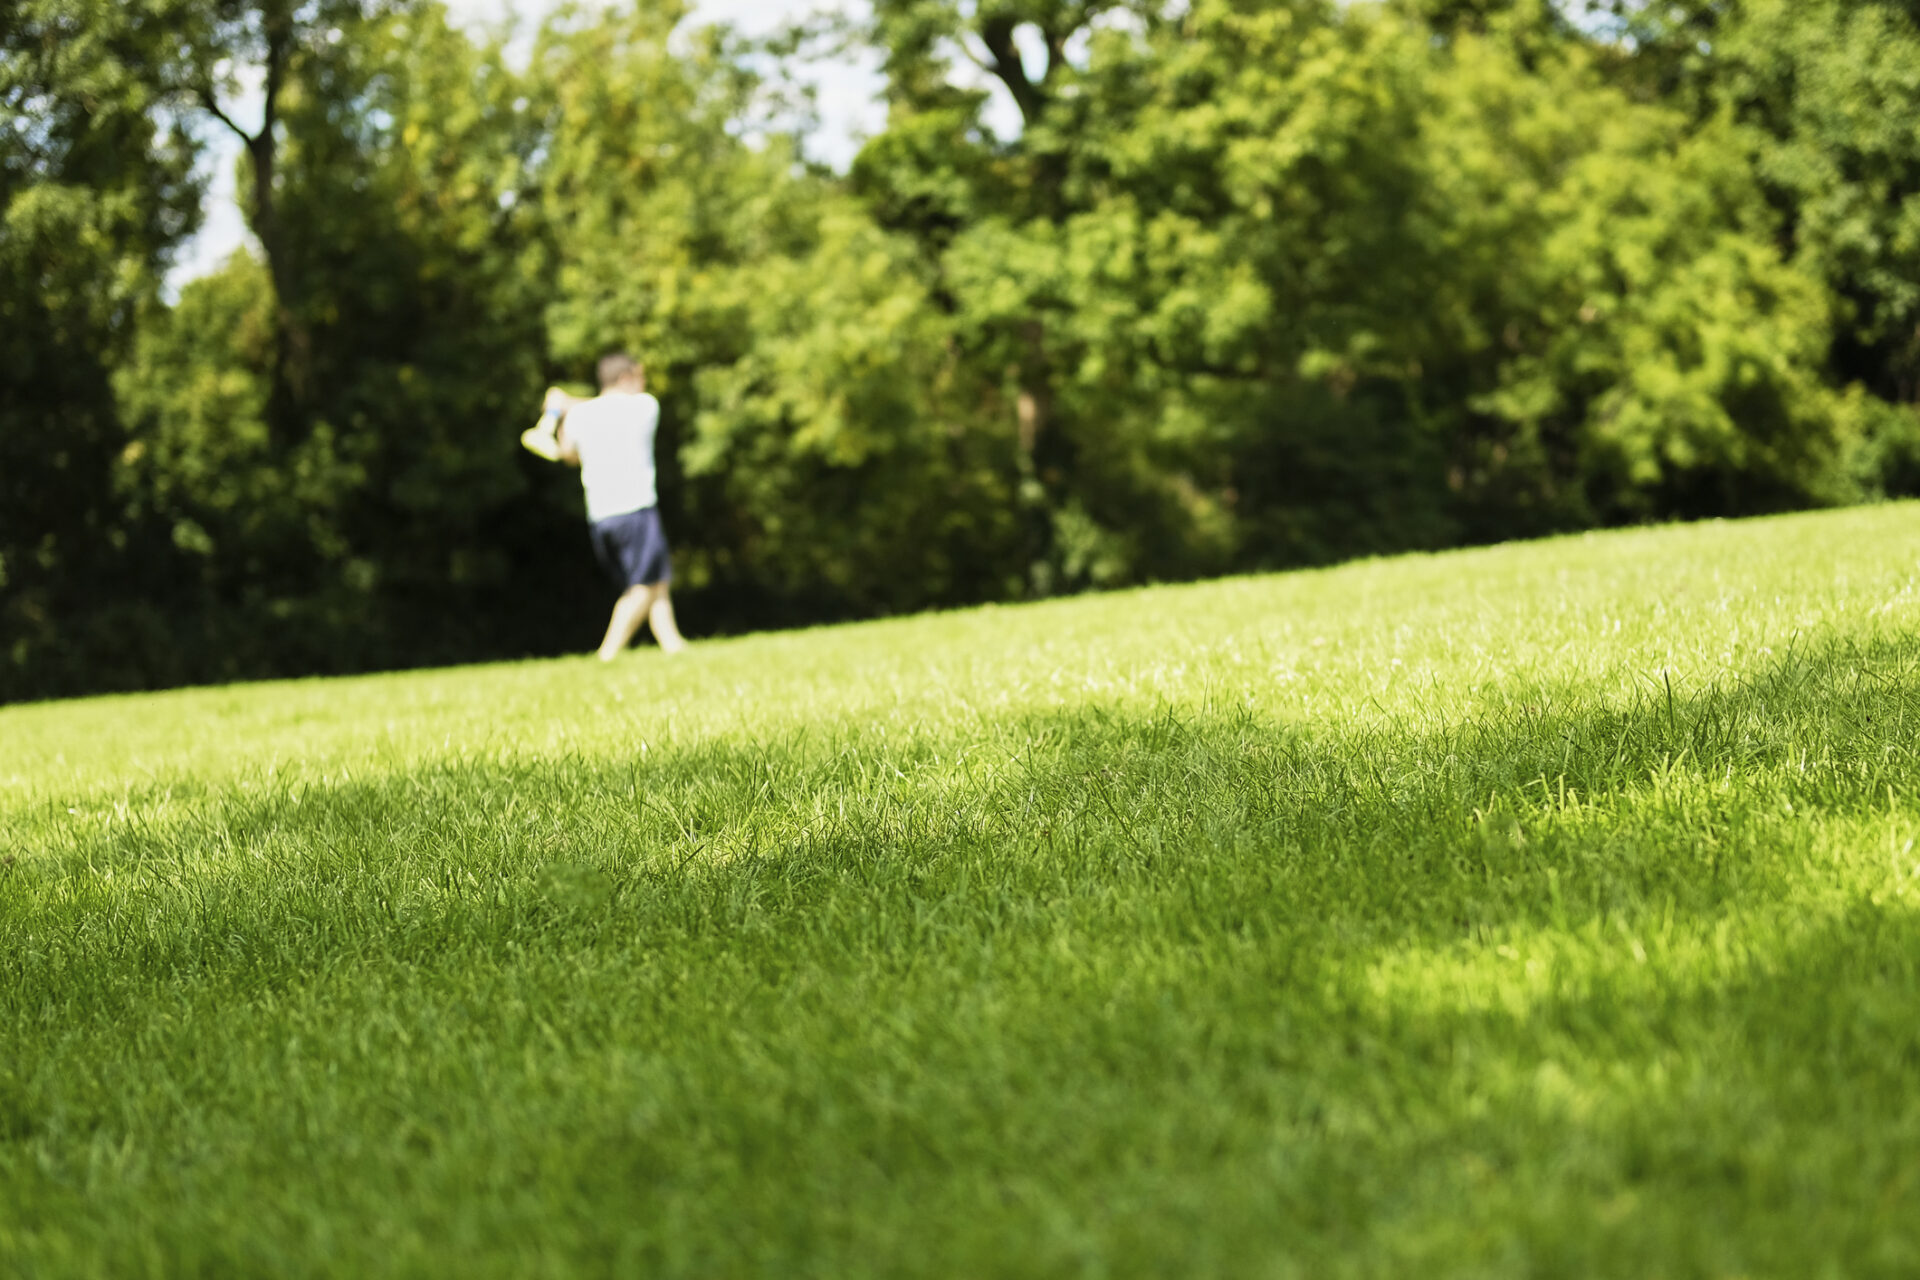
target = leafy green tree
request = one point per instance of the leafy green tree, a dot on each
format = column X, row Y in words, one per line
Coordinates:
column 1657, row 355
column 220, row 52
column 95, row 190
column 406, row 189
column 846, row 442
column 1835, row 87
column 1123, row 291
column 988, row 214
column 1825, row 90
column 1308, row 283
column 392, row 530
column 818, row 451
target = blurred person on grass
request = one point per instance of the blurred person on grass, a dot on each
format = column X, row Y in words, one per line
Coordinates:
column 610, row 438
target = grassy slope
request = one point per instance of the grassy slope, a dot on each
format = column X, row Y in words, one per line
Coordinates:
column 1538, row 910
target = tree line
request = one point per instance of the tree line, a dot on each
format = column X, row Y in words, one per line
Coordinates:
column 1251, row 284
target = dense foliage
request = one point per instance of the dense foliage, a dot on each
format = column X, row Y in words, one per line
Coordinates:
column 1250, row 283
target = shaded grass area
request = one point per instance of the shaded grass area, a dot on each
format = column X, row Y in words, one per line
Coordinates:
column 1570, row 977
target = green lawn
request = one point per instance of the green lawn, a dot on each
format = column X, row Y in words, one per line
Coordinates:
column 1548, row 910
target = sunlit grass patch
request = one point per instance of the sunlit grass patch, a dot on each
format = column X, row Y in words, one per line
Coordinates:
column 1548, row 909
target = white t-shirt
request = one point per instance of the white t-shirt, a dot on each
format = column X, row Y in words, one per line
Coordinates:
column 614, row 434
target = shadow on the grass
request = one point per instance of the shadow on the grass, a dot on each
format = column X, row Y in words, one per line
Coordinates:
column 1232, row 973
column 1538, row 810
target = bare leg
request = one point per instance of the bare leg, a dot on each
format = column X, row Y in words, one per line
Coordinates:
column 629, row 611
column 666, row 631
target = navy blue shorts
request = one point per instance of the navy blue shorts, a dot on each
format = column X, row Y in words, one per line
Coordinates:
column 632, row 548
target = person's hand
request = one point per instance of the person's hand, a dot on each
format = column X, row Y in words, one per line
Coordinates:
column 557, row 401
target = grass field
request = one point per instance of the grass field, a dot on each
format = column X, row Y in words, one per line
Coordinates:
column 1547, row 910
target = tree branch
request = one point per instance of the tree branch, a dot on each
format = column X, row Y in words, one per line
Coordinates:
column 212, row 104
column 1056, row 53
column 279, row 36
column 997, row 35
column 967, row 51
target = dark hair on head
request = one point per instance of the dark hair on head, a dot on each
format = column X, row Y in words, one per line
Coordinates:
column 614, row 366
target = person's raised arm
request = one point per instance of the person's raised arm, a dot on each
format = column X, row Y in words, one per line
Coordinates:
column 556, row 406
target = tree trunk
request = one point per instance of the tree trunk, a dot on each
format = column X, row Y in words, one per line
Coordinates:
column 1045, row 456
column 291, row 388
column 289, row 395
